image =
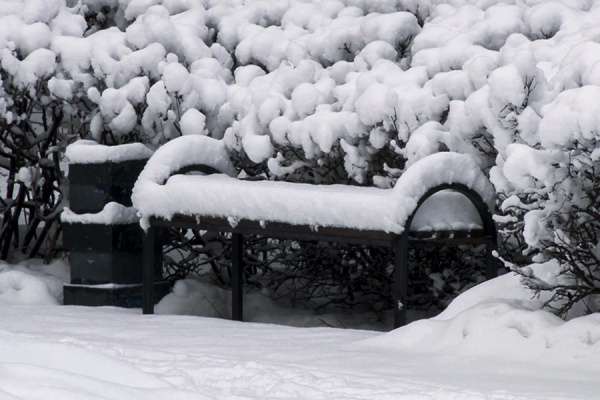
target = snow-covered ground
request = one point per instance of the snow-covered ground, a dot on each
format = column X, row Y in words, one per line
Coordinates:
column 491, row 343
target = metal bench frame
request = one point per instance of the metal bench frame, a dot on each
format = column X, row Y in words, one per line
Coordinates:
column 399, row 243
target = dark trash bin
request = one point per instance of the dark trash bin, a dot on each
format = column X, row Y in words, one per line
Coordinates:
column 105, row 256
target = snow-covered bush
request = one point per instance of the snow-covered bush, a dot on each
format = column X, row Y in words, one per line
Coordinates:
column 552, row 197
column 323, row 91
column 547, row 169
column 39, row 111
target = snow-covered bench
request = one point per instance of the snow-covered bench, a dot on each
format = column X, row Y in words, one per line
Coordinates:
column 442, row 197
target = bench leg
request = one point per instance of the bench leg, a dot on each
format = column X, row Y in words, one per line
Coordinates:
column 237, row 281
column 400, row 280
column 491, row 266
column 152, row 262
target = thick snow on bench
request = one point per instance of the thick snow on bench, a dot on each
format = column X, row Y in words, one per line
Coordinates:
column 158, row 194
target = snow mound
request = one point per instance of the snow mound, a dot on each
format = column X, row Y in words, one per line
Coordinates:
column 192, row 297
column 499, row 318
column 22, row 284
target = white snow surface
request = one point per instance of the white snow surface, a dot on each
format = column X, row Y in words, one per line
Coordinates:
column 90, row 152
column 492, row 343
column 366, row 208
column 112, row 213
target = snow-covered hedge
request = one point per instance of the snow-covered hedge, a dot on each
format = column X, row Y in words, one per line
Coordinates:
column 339, row 91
